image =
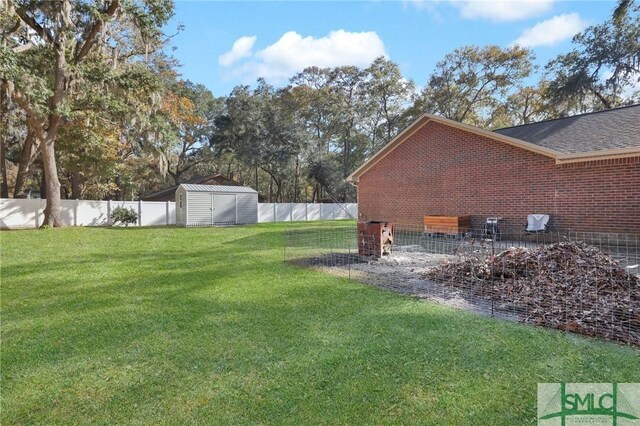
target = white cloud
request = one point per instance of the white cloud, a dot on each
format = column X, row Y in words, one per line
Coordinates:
column 505, row 10
column 492, row 10
column 241, row 49
column 551, row 31
column 293, row 53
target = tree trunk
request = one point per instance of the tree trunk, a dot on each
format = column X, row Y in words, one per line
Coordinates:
column 25, row 163
column 121, row 193
column 4, row 186
column 76, row 189
column 278, row 191
column 175, row 176
column 52, row 213
column 4, row 130
column 296, row 182
column 256, row 188
column 43, row 185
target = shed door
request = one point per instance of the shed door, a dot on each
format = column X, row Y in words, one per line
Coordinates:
column 224, row 208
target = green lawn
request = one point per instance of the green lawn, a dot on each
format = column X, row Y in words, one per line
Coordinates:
column 209, row 326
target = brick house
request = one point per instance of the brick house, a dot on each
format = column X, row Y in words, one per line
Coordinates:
column 583, row 170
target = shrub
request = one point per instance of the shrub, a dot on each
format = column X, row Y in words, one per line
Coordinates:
column 123, row 215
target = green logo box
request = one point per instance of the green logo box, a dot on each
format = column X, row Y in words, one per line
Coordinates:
column 566, row 404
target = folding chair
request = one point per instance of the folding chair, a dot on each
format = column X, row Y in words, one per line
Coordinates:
column 537, row 223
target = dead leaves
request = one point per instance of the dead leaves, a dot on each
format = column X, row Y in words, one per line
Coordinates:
column 570, row 286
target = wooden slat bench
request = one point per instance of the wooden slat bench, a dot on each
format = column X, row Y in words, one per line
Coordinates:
column 450, row 225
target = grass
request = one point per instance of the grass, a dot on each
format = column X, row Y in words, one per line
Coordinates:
column 208, row 325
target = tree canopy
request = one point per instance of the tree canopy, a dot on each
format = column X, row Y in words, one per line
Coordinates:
column 93, row 106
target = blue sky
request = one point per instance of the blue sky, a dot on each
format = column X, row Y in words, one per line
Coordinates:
column 229, row 43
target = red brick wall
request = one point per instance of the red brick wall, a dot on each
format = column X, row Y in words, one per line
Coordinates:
column 440, row 170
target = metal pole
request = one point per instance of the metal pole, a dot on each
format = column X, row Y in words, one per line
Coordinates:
column 349, row 255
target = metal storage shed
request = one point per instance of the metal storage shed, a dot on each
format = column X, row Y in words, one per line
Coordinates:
column 206, row 205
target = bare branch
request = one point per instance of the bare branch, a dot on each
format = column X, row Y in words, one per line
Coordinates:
column 23, row 48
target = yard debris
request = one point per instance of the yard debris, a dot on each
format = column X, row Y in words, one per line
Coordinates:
column 570, row 286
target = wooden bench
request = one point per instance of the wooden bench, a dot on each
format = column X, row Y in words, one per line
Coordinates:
column 450, row 225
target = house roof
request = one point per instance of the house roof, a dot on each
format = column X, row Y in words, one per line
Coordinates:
column 627, row 145
column 217, row 188
column 169, row 191
column 597, row 131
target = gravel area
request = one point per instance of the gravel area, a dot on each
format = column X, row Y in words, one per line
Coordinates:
column 401, row 272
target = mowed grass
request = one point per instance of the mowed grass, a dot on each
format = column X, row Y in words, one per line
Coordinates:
column 210, row 326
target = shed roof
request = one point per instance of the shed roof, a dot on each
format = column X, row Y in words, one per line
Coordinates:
column 592, row 132
column 218, row 188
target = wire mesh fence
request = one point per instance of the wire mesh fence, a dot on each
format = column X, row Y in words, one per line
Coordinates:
column 586, row 283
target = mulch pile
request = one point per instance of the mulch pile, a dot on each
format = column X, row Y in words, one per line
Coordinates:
column 570, row 286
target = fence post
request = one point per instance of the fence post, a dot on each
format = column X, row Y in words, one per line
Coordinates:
column 108, row 212
column 168, row 214
column 333, row 207
column 349, row 255
column 75, row 213
column 139, row 212
column 321, row 218
column 306, row 212
column 290, row 212
column 275, row 213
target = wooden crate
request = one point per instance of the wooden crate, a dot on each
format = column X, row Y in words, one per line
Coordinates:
column 451, row 225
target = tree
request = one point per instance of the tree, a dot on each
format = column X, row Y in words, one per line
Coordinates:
column 389, row 96
column 262, row 130
column 470, row 83
column 54, row 46
column 603, row 70
column 191, row 110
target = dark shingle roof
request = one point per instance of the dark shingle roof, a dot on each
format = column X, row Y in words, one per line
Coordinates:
column 596, row 131
column 219, row 178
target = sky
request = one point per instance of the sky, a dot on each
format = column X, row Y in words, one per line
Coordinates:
column 224, row 43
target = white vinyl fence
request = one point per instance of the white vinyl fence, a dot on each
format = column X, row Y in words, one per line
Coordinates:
column 24, row 213
column 292, row 212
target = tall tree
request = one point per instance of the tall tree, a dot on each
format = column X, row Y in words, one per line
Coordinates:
column 389, row 95
column 470, row 83
column 191, row 110
column 604, row 64
column 54, row 45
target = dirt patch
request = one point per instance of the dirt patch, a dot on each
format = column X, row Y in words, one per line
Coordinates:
column 403, row 271
column 569, row 286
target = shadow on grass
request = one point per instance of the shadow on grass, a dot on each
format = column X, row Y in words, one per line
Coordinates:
column 145, row 332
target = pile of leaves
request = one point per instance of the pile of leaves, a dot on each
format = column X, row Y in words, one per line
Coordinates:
column 570, row 286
